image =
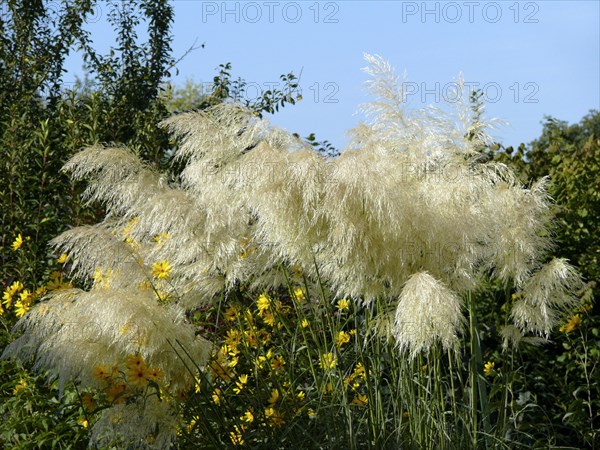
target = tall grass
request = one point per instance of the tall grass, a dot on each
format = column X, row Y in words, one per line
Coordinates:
column 283, row 297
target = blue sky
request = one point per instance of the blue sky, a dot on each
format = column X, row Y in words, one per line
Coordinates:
column 530, row 58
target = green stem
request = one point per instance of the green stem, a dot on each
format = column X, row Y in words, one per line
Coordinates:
column 478, row 389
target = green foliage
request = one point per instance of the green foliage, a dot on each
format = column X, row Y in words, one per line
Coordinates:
column 560, row 399
column 35, row 415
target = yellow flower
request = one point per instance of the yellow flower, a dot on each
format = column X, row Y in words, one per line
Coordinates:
column 301, row 395
column 269, row 319
column 135, row 362
column 40, row 291
column 328, row 361
column 216, row 396
column 360, row 400
column 160, row 238
column 248, row 417
column 359, row 371
column 488, row 367
column 571, row 324
column 304, row 323
column 342, row 338
column 251, row 338
column 22, row 384
column 7, row 298
column 299, row 294
column 62, row 258
column 236, row 436
column 231, row 314
column 233, row 338
column 154, row 374
column 16, row 287
column 101, row 372
column 137, row 376
column 21, row 308
column 233, row 361
column 240, row 383
column 263, row 304
column 84, row 422
column 311, row 413
column 277, row 363
column 343, row 305
column 274, row 397
column 26, row 297
column 161, row 270
column 16, row 245
column 274, row 416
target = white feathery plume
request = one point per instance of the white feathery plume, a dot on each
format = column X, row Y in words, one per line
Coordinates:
column 408, row 214
column 427, row 312
column 545, row 295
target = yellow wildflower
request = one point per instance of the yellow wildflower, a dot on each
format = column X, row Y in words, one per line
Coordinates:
column 26, row 297
column 231, row 314
column 233, row 338
column 101, row 372
column 327, row 361
column 342, row 338
column 311, row 413
column 84, row 422
column 361, row 400
column 301, row 396
column 62, row 258
column 269, row 319
column 18, row 242
column 22, row 384
column 359, row 371
column 135, row 362
column 299, row 294
column 16, row 287
column 155, row 374
column 136, row 376
column 263, row 304
column 274, row 397
column 488, row 367
column 216, row 396
column 248, row 417
column 274, row 416
column 236, row 436
column 21, row 308
column 571, row 324
column 161, row 270
column 277, row 363
column 343, row 305
column 7, row 299
column 240, row 383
